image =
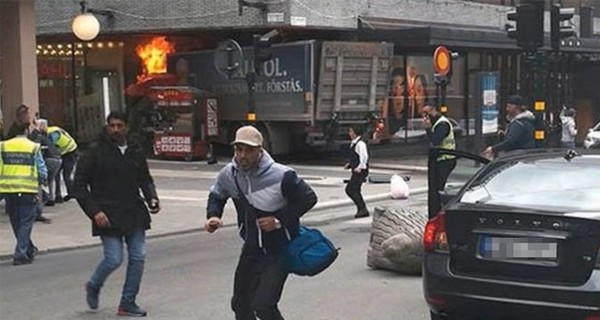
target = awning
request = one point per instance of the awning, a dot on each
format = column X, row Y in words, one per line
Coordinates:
column 410, row 33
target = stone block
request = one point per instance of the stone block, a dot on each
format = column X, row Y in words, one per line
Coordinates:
column 396, row 240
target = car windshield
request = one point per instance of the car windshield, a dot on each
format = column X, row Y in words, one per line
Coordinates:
column 550, row 184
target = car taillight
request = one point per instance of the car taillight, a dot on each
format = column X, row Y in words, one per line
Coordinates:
column 434, row 237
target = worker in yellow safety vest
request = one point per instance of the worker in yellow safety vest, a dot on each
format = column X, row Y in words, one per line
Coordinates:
column 67, row 147
column 22, row 169
column 441, row 134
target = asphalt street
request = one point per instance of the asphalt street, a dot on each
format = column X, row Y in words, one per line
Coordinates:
column 189, row 276
column 189, row 272
column 183, row 190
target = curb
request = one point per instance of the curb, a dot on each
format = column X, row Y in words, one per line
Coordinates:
column 399, row 167
column 375, row 197
column 319, row 207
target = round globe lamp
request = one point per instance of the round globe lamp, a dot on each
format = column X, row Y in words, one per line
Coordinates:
column 86, row 27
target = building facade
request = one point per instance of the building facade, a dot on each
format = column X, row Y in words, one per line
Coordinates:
column 88, row 78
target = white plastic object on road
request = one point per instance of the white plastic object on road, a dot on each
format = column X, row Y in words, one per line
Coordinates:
column 398, row 188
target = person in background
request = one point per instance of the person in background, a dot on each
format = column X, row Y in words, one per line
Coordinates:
column 22, row 116
column 51, row 157
column 47, row 148
column 67, row 146
column 22, row 169
column 569, row 130
column 358, row 163
column 1, row 139
column 269, row 199
column 440, row 134
column 520, row 129
column 107, row 187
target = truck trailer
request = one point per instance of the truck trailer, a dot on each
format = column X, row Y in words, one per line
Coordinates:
column 307, row 95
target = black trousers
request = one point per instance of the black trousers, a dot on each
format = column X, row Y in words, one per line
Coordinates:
column 67, row 167
column 258, row 285
column 445, row 168
column 353, row 188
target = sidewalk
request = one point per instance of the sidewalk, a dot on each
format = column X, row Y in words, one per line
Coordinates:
column 71, row 229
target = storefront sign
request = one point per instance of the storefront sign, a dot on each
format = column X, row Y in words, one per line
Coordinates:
column 173, row 143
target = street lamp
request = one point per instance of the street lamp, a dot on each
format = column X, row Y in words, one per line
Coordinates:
column 86, row 26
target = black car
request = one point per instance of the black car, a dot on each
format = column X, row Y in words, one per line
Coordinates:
column 519, row 240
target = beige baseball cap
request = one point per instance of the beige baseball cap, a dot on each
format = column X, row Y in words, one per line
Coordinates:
column 248, row 135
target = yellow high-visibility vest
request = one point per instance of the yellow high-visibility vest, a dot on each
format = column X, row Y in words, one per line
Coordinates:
column 65, row 142
column 449, row 142
column 18, row 170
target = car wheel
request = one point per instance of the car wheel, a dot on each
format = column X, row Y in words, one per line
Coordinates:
column 435, row 316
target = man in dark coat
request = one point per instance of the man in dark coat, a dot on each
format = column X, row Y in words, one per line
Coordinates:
column 520, row 129
column 107, row 186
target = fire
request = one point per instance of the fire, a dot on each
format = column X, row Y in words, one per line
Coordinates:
column 154, row 56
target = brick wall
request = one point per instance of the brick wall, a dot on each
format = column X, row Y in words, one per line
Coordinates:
column 54, row 16
column 565, row 3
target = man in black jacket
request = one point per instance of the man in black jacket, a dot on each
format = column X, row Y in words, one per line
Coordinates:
column 107, row 184
column 520, row 129
column 358, row 164
column 269, row 199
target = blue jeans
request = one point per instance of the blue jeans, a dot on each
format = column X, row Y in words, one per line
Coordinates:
column 113, row 257
column 568, row 144
column 21, row 209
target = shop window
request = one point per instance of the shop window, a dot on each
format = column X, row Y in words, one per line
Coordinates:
column 412, row 86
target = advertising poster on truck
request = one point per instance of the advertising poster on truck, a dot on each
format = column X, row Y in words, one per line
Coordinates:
column 280, row 87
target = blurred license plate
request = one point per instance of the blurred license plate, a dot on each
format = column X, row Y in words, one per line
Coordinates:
column 517, row 248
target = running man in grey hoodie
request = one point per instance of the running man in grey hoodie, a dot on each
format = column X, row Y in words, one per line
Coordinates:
column 269, row 199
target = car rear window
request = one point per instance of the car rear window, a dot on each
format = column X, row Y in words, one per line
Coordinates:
column 550, row 184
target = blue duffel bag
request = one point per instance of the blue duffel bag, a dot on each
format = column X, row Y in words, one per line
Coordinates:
column 310, row 252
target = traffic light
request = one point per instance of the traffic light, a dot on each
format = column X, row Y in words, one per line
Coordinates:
column 558, row 30
column 529, row 29
column 262, row 52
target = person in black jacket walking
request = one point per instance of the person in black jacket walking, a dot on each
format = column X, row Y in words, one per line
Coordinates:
column 269, row 199
column 107, row 184
column 358, row 163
